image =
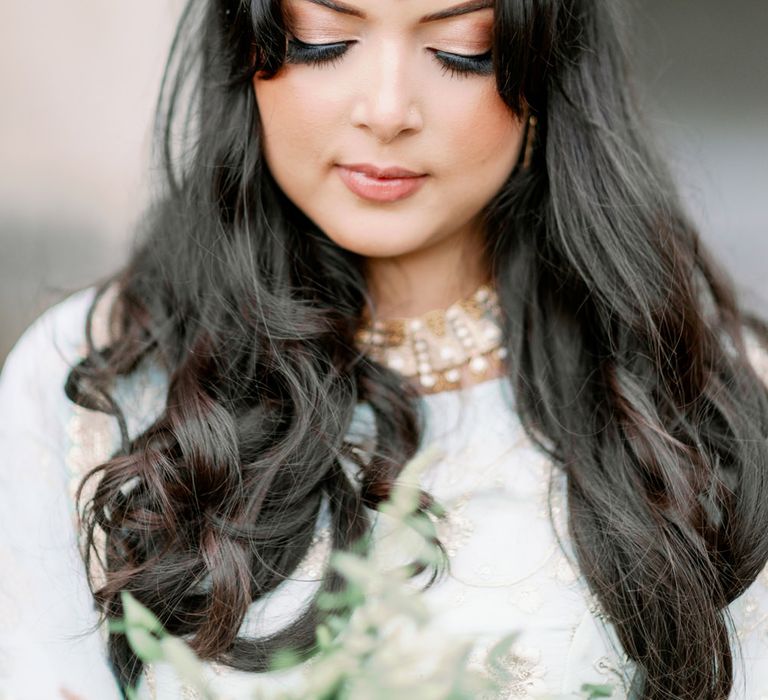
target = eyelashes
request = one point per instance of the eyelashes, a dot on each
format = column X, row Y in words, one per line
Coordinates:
column 315, row 54
column 459, row 65
column 330, row 54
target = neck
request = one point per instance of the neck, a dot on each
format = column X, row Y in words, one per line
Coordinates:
column 427, row 279
column 442, row 349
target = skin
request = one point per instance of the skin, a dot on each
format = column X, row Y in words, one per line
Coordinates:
column 389, row 101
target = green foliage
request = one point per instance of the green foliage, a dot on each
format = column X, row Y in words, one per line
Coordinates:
column 378, row 641
column 596, row 691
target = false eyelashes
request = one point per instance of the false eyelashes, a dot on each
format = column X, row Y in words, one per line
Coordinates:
column 329, row 54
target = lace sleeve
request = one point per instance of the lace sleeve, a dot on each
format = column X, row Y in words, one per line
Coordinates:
column 49, row 639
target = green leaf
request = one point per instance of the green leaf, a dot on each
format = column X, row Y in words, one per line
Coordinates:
column 597, row 691
column 502, row 647
column 144, row 644
column 437, row 509
column 421, row 524
column 332, row 601
column 324, row 636
column 116, row 625
column 351, row 567
column 404, row 497
column 426, row 457
column 136, row 615
column 185, row 663
column 336, row 624
column 283, row 659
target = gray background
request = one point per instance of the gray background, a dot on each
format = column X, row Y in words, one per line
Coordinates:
column 78, row 81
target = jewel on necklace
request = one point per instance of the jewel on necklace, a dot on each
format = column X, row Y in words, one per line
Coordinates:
column 433, row 347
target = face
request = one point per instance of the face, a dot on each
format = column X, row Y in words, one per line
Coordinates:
column 380, row 82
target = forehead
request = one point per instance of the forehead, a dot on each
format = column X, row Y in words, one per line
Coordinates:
column 423, row 11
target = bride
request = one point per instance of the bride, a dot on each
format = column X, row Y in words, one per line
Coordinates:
column 385, row 225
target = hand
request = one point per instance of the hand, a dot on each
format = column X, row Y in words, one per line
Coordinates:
column 67, row 695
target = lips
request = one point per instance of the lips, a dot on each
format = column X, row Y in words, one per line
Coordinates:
column 376, row 184
column 390, row 172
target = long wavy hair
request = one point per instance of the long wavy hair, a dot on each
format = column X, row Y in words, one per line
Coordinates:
column 625, row 345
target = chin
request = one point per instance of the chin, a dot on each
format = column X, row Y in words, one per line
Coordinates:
column 376, row 245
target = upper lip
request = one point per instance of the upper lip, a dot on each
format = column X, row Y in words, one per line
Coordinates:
column 371, row 170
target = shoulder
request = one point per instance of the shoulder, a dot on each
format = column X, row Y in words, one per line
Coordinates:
column 35, row 412
column 44, row 599
column 56, row 340
column 53, row 344
column 49, row 347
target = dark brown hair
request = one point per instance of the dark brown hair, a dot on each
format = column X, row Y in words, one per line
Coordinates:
column 625, row 347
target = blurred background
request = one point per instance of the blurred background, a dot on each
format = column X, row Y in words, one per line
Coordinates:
column 79, row 79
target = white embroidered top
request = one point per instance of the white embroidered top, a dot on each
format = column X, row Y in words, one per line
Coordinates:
column 507, row 571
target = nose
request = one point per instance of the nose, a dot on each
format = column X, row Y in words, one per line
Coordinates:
column 387, row 103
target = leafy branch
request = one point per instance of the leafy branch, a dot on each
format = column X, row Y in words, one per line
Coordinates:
column 372, row 643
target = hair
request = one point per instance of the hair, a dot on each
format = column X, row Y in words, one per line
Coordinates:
column 625, row 345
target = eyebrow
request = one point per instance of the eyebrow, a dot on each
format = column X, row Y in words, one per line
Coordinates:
column 460, row 9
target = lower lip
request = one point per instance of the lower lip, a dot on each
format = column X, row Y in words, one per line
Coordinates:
column 380, row 189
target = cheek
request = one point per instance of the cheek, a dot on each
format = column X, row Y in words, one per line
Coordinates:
column 482, row 133
column 470, row 143
column 297, row 121
column 480, row 141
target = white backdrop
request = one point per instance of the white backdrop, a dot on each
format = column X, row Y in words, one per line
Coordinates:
column 78, row 82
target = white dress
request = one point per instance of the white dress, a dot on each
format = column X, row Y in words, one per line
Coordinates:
column 507, row 571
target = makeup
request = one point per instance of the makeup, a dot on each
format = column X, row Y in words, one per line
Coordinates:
column 377, row 189
column 457, row 65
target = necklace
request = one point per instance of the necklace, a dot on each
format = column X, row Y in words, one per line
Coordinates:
column 434, row 348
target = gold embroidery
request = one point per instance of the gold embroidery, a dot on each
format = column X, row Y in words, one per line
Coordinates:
column 526, row 598
column 149, row 677
column 316, row 559
column 523, row 671
column 460, row 596
column 614, row 677
column 484, row 571
column 594, row 607
column 90, row 442
column 89, row 432
column 750, row 604
column 564, row 570
column 604, row 666
column 753, row 616
column 455, row 529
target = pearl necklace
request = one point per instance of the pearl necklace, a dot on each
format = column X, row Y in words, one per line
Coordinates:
column 435, row 346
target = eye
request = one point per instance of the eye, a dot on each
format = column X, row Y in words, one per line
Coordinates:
column 461, row 66
column 300, row 52
column 458, row 64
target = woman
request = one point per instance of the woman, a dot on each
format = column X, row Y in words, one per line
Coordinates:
column 390, row 224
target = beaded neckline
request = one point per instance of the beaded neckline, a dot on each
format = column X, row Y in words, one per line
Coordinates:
column 433, row 349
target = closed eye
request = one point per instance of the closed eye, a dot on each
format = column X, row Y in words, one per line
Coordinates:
column 459, row 65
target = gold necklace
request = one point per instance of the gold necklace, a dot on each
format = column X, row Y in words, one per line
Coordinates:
column 435, row 347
